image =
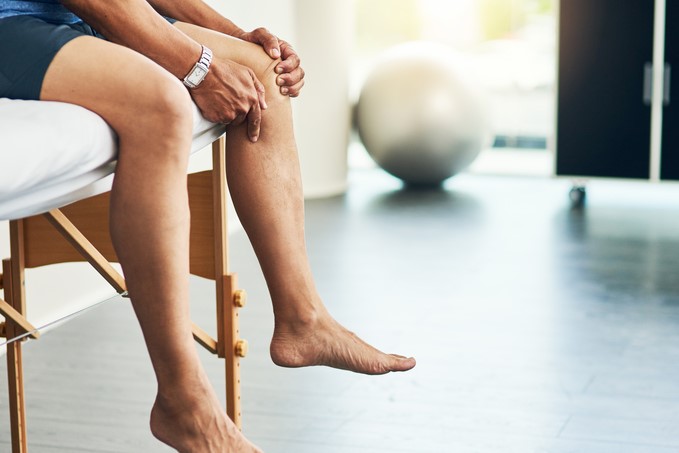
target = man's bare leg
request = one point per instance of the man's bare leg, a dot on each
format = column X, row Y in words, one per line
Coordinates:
column 264, row 180
column 150, row 111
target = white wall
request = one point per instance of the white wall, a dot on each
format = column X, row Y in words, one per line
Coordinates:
column 324, row 32
column 277, row 16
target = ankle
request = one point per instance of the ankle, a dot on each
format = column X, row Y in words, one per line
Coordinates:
column 194, row 401
column 299, row 320
column 183, row 391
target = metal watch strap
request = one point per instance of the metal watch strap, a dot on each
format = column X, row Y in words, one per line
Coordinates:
column 205, row 57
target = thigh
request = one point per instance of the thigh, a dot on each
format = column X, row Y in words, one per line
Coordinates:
column 119, row 84
column 234, row 49
column 74, row 64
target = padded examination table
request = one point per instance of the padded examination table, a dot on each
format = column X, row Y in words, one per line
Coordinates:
column 52, row 154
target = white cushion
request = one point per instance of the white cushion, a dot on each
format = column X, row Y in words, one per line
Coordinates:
column 52, row 154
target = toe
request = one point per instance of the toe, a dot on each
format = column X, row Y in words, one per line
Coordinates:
column 401, row 363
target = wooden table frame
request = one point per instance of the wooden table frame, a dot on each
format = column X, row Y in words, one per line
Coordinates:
column 79, row 232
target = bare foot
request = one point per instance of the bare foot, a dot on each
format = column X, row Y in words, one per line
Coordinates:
column 197, row 425
column 324, row 341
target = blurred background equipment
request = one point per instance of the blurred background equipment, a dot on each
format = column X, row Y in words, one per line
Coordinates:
column 420, row 116
column 508, row 45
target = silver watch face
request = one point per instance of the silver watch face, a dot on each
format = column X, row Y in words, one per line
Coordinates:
column 197, row 75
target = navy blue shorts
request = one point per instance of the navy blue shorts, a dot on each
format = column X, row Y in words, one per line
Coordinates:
column 27, row 47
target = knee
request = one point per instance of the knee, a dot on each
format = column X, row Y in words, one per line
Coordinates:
column 269, row 78
column 169, row 105
column 264, row 68
column 159, row 116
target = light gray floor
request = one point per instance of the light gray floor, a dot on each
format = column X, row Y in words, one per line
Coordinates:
column 536, row 328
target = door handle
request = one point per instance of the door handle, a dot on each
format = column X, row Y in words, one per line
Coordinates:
column 668, row 83
column 648, row 84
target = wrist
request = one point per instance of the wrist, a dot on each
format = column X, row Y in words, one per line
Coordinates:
column 229, row 28
column 200, row 69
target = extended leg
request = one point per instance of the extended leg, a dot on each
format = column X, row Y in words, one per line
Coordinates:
column 150, row 111
column 264, row 180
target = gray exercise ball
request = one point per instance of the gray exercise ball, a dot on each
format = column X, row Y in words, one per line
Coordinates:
column 419, row 116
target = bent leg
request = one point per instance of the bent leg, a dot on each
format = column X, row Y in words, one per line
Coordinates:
column 151, row 113
column 265, row 183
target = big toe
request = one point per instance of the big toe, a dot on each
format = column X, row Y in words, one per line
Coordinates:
column 401, row 363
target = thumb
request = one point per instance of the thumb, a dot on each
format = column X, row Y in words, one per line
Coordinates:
column 272, row 47
column 269, row 42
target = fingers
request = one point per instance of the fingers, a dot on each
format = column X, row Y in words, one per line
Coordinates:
column 261, row 92
column 291, row 74
column 255, row 114
column 268, row 41
column 254, row 122
column 232, row 94
column 292, row 91
column 290, row 59
column 292, row 82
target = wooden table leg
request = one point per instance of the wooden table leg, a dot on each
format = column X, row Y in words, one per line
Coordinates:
column 15, row 375
column 234, row 347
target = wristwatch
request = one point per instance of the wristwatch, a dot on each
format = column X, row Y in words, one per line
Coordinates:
column 200, row 70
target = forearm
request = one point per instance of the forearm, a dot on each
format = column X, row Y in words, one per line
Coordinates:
column 135, row 24
column 196, row 12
